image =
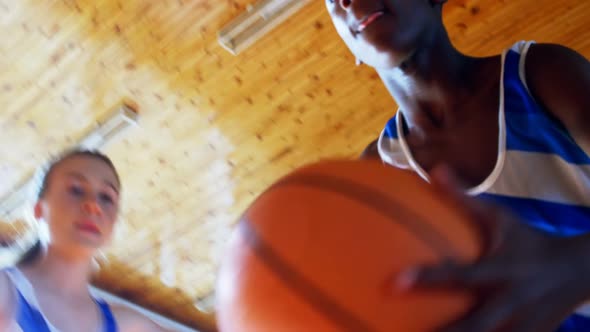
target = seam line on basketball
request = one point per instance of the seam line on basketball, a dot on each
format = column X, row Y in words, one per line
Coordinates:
column 380, row 203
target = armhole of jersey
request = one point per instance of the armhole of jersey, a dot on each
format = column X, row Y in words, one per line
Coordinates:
column 522, row 65
column 522, row 75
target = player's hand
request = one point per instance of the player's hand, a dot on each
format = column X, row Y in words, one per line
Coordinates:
column 527, row 281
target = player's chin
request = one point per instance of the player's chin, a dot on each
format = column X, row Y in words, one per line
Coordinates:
column 383, row 55
column 390, row 61
column 91, row 241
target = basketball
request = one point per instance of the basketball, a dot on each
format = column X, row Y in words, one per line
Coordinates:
column 320, row 250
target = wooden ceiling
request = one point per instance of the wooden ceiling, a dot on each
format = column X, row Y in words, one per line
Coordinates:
column 215, row 130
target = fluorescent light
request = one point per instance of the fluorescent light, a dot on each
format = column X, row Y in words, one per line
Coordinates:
column 258, row 20
column 105, row 132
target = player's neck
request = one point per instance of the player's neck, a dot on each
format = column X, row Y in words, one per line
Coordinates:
column 431, row 86
column 66, row 275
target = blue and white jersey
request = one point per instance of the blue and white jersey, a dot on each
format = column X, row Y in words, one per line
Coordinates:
column 29, row 317
column 542, row 174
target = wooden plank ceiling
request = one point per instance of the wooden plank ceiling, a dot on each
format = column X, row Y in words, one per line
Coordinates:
column 215, row 129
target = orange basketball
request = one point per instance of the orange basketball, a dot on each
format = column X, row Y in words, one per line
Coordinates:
column 319, row 251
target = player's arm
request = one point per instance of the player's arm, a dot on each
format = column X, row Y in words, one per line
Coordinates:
column 559, row 78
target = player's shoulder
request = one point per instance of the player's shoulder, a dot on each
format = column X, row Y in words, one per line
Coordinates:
column 546, row 57
column 559, row 77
